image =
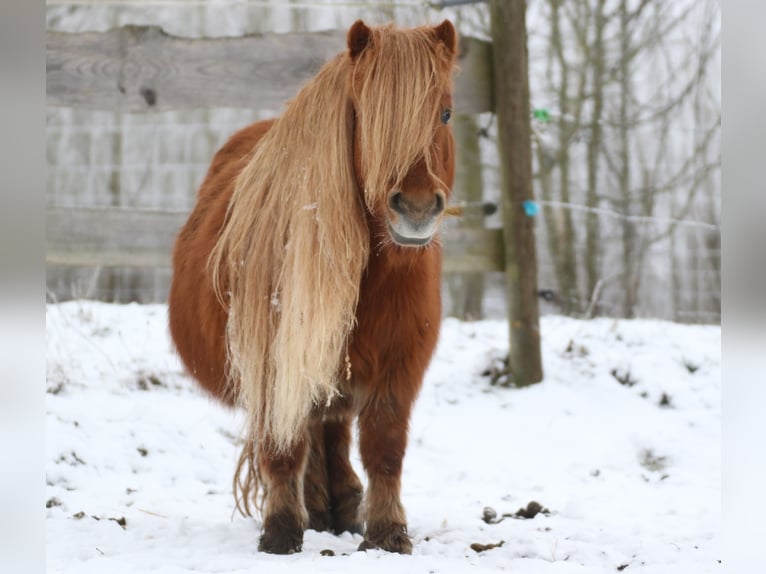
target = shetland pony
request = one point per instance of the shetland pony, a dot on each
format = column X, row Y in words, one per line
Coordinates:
column 306, row 283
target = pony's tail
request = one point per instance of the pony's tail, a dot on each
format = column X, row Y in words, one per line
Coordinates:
column 247, row 480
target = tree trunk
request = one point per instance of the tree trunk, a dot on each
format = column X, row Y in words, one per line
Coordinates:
column 511, row 87
column 676, row 282
column 568, row 124
column 592, row 225
column 623, row 177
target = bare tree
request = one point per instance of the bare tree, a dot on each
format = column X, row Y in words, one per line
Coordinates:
column 562, row 239
column 622, row 77
column 645, row 171
column 595, row 52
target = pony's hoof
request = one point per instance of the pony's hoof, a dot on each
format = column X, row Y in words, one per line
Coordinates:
column 282, row 534
column 345, row 512
column 280, row 544
column 339, row 528
column 320, row 521
column 392, row 539
column 347, row 522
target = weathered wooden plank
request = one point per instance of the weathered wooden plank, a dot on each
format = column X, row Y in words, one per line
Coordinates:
column 117, row 237
column 143, row 69
column 467, row 289
column 473, row 85
column 111, row 237
column 471, row 250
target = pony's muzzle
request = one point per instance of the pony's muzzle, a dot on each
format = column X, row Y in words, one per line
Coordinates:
column 415, row 219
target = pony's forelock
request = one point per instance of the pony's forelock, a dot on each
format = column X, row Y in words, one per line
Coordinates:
column 398, row 86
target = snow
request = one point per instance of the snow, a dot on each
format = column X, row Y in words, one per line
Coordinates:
column 632, row 481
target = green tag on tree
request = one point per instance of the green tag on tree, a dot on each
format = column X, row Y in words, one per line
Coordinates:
column 541, row 114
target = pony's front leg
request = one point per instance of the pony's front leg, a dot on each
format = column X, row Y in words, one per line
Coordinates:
column 383, row 426
column 284, row 512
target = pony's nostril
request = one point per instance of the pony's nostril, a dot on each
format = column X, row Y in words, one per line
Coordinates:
column 397, row 202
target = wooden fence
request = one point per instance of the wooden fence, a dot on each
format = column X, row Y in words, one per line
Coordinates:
column 142, row 69
column 118, row 237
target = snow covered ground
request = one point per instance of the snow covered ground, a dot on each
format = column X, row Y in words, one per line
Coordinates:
column 621, row 443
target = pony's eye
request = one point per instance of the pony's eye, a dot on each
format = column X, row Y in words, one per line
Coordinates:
column 446, row 115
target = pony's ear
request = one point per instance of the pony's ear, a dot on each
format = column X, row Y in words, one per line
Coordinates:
column 358, row 37
column 447, row 34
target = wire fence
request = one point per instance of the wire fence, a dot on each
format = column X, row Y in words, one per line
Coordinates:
column 157, row 162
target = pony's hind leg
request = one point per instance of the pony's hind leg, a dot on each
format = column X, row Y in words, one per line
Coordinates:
column 315, row 481
column 383, row 426
column 284, row 512
column 344, row 485
column 332, row 490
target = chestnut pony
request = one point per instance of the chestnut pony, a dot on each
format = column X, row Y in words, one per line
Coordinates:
column 306, row 283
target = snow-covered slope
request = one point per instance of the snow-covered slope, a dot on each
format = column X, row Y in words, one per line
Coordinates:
column 621, row 444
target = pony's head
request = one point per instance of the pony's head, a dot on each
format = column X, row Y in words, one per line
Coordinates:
column 401, row 92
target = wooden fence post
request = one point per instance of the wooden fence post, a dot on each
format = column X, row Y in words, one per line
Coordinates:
column 511, row 89
column 467, row 289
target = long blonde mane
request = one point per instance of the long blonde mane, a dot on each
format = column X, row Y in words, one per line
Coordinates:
column 289, row 260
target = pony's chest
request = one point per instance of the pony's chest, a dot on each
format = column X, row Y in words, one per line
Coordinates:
column 397, row 325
